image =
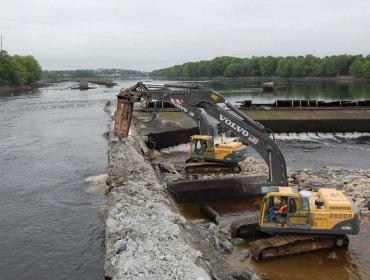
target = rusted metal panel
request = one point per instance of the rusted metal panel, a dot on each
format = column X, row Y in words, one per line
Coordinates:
column 123, row 117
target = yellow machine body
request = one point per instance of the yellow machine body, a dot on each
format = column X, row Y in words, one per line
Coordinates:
column 327, row 211
column 203, row 146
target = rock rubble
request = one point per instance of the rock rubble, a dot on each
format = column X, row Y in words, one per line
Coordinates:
column 144, row 236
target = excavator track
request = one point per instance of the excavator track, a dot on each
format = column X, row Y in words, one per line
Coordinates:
column 244, row 226
column 211, row 167
column 290, row 244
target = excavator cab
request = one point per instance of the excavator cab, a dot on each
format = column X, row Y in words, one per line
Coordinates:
column 201, row 147
column 206, row 157
column 282, row 210
column 299, row 222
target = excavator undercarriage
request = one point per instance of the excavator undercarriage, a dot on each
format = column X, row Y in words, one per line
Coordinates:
column 290, row 244
column 282, row 244
column 209, row 167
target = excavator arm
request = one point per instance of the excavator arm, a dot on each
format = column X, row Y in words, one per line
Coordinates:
column 199, row 102
column 254, row 137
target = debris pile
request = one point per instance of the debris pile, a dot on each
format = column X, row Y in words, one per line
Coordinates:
column 144, row 237
column 215, row 241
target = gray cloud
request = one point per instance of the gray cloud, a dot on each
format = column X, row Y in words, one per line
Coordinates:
column 145, row 35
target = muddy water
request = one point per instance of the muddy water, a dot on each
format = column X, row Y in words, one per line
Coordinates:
column 301, row 152
column 327, row 264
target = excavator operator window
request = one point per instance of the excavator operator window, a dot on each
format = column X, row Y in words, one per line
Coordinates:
column 199, row 146
column 270, row 210
column 276, row 210
column 305, row 205
column 300, row 217
column 292, row 206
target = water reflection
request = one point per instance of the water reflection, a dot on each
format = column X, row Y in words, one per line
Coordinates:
column 297, row 89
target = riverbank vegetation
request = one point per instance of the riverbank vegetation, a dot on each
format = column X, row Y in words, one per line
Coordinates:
column 269, row 66
column 89, row 73
column 18, row 70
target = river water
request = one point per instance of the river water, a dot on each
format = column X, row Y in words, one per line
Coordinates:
column 51, row 140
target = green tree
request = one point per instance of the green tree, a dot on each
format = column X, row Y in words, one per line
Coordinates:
column 298, row 68
column 312, row 65
column 4, row 68
column 34, row 71
column 18, row 70
column 250, row 67
column 234, row 70
column 284, row 67
column 366, row 73
column 203, row 67
column 267, row 65
column 290, row 66
column 336, row 65
column 357, row 68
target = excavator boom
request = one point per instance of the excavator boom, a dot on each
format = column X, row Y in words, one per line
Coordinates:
column 202, row 103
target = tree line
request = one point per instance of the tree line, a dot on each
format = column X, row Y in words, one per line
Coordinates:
column 90, row 73
column 18, row 70
column 268, row 66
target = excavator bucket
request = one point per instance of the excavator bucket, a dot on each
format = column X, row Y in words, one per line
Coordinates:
column 123, row 117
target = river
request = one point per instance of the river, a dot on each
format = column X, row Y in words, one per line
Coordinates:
column 51, row 140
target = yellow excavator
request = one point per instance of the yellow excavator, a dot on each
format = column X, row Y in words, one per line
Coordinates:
column 208, row 152
column 295, row 221
column 207, row 157
column 299, row 222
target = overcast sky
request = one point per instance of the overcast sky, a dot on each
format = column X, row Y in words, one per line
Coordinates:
column 151, row 34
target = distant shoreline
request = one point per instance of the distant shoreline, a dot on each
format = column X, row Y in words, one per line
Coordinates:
column 342, row 79
column 4, row 90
